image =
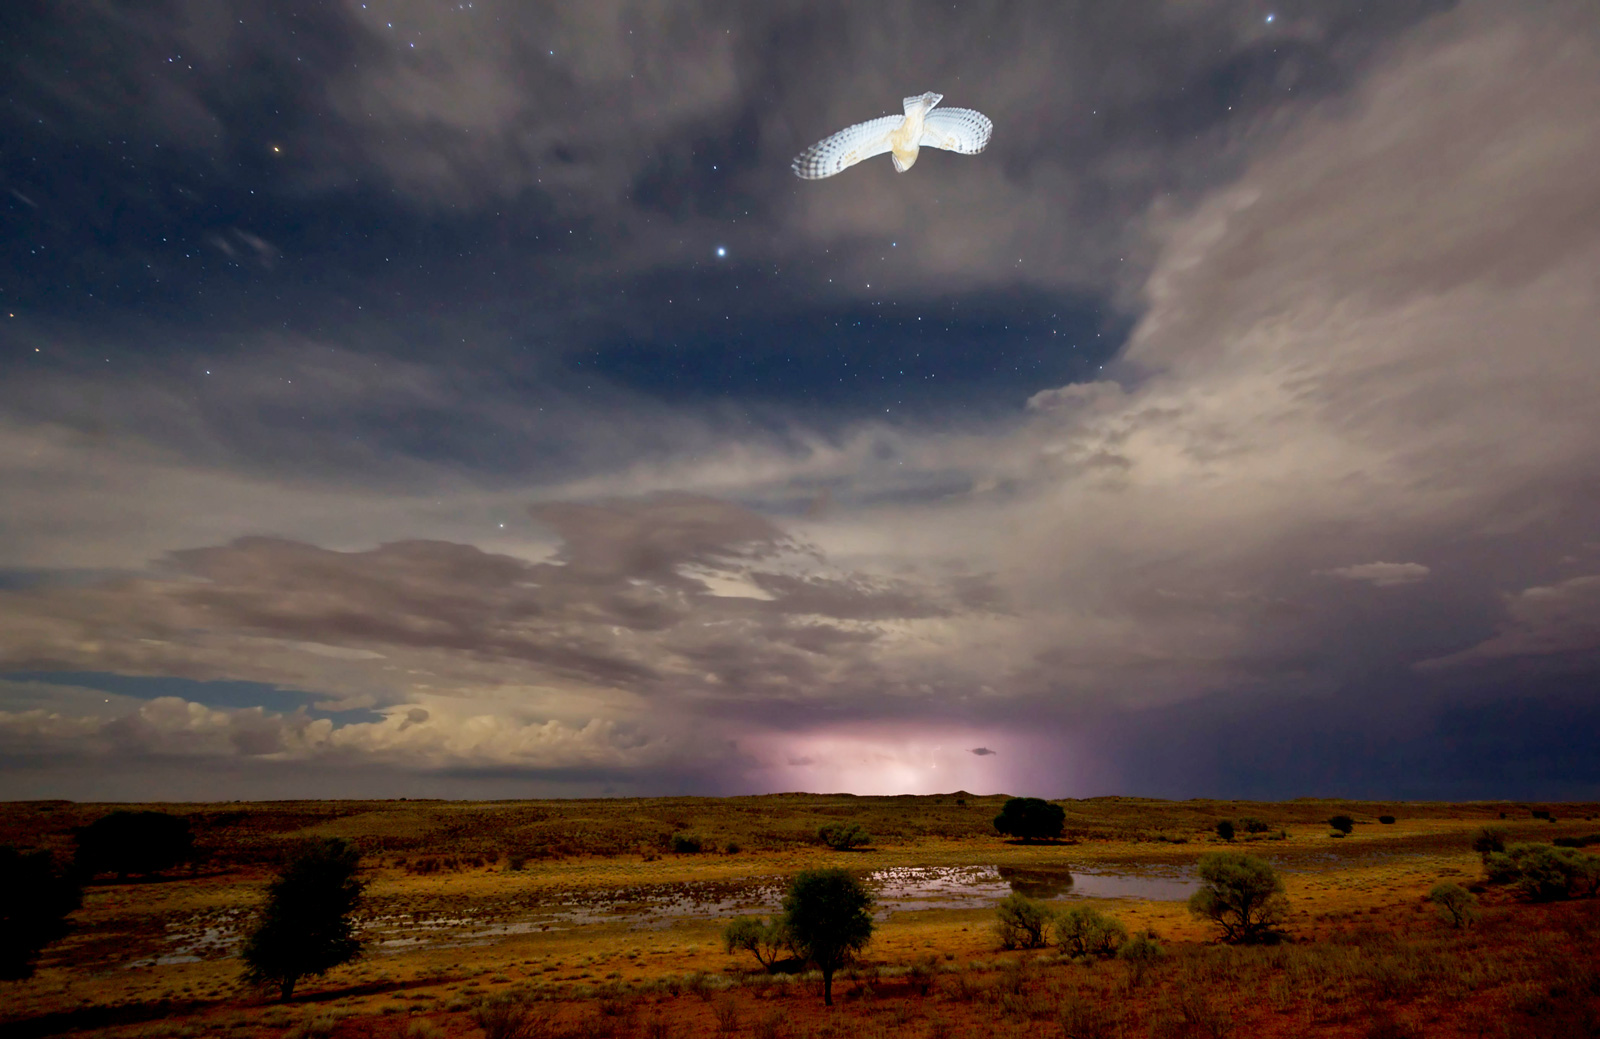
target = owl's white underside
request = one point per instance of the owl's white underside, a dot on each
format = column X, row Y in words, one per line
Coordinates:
column 922, row 126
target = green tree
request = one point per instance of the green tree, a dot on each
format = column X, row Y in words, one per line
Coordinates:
column 1342, row 823
column 843, row 837
column 1086, row 931
column 1021, row 922
column 766, row 940
column 1225, row 829
column 308, row 924
column 138, row 843
column 1457, row 906
column 1250, row 824
column 828, row 914
column 1488, row 840
column 1240, row 893
column 1030, row 819
column 34, row 902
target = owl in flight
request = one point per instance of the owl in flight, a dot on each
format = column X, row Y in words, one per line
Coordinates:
column 953, row 129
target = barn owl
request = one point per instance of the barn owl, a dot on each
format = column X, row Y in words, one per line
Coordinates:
column 953, row 129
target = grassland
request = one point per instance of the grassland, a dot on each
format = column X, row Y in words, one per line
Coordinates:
column 578, row 911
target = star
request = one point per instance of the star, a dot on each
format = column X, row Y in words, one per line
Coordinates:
column 722, row 251
column 1270, row 17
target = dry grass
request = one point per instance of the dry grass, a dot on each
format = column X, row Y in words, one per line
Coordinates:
column 1367, row 959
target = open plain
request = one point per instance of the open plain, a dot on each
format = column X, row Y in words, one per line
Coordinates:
column 581, row 912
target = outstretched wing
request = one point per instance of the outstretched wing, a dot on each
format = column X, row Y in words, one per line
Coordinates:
column 846, row 148
column 956, row 130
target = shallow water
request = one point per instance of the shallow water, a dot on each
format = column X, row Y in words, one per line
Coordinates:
column 646, row 907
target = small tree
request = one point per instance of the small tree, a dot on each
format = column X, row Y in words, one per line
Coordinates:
column 1085, row 931
column 1457, row 906
column 1021, row 922
column 139, row 843
column 1240, row 893
column 1342, row 823
column 308, row 924
column 1250, row 824
column 1030, row 819
column 828, row 915
column 34, row 903
column 1488, row 840
column 766, row 940
column 1225, row 829
column 842, row 837
column 686, row 844
column 1387, row 820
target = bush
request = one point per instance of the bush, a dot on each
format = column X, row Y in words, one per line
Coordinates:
column 138, row 843
column 34, row 902
column 842, row 837
column 766, row 940
column 1577, row 842
column 1250, row 824
column 1085, row 931
column 828, row 916
column 1140, row 953
column 1543, row 873
column 1225, row 829
column 1342, row 823
column 686, row 844
column 1240, row 893
column 1489, row 839
column 1457, row 906
column 307, row 926
column 1021, row 922
column 1387, row 820
column 502, row 1017
column 1030, row 819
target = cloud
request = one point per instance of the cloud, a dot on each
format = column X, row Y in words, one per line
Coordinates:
column 982, row 751
column 1560, row 620
column 1382, row 574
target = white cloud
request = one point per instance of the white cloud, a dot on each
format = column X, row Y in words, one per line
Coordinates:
column 1382, row 574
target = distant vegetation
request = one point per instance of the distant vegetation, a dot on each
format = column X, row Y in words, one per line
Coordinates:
column 1342, row 823
column 843, row 837
column 35, row 899
column 133, row 844
column 1030, row 819
column 1544, row 873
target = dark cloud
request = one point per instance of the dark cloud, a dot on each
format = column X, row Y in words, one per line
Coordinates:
column 1243, row 386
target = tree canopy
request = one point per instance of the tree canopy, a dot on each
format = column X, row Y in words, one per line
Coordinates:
column 34, row 902
column 1240, row 893
column 307, row 926
column 138, row 843
column 1030, row 819
column 828, row 916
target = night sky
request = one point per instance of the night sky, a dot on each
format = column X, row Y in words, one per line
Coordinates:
column 422, row 398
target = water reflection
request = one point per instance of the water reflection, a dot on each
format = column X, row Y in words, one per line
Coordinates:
column 1037, row 883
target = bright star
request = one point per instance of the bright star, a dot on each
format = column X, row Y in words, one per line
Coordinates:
column 722, row 250
column 1270, row 17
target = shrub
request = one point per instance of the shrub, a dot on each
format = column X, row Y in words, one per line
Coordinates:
column 1225, row 829
column 1342, row 823
column 766, row 940
column 1021, row 922
column 1387, row 820
column 307, row 925
column 502, row 1017
column 139, row 843
column 843, row 837
column 34, row 902
column 828, row 916
column 1240, row 893
column 1140, row 953
column 1457, row 906
column 686, row 844
column 732, row 848
column 1489, row 839
column 1577, row 842
column 1250, row 824
column 1030, row 819
column 1085, row 931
